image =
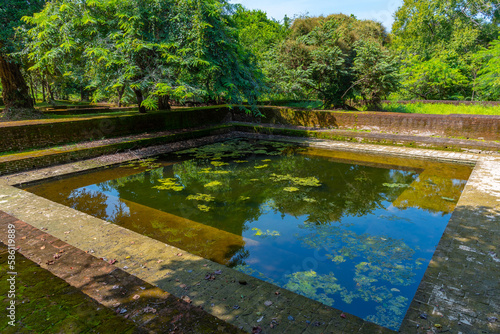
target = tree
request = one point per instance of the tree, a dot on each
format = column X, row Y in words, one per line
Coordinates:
column 15, row 92
column 160, row 49
column 376, row 72
column 432, row 79
column 318, row 57
column 449, row 32
column 489, row 75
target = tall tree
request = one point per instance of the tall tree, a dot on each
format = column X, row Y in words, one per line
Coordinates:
column 15, row 92
column 438, row 39
column 160, row 49
column 317, row 59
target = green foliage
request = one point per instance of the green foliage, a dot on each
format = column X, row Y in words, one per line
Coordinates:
column 489, row 74
column 317, row 59
column 376, row 72
column 160, row 49
column 439, row 41
column 433, row 79
column 11, row 12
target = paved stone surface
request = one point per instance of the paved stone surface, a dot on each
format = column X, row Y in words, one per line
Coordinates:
column 121, row 303
column 46, row 303
column 459, row 292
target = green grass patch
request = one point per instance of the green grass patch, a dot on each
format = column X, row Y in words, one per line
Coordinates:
column 442, row 109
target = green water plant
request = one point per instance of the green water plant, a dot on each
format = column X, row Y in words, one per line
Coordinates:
column 213, row 184
column 261, row 166
column 314, row 286
column 219, row 163
column 395, row 185
column 203, row 208
column 201, row 197
column 298, row 181
column 267, row 233
column 291, row 189
column 215, row 172
column 143, row 163
column 169, row 184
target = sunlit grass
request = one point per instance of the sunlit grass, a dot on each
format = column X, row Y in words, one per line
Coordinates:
column 442, row 109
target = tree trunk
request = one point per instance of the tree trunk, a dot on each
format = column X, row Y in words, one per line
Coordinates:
column 32, row 86
column 163, row 102
column 121, row 90
column 15, row 92
column 50, row 93
column 140, row 98
column 43, row 90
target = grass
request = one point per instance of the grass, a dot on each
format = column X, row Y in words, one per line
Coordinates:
column 442, row 109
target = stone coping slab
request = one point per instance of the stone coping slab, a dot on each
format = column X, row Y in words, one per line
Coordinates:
column 459, row 291
column 142, row 307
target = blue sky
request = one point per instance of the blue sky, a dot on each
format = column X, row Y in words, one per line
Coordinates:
column 378, row 10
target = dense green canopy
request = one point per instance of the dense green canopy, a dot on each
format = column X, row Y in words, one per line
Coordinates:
column 152, row 52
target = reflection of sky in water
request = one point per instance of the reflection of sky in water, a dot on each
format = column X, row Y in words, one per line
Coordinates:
column 275, row 257
column 112, row 199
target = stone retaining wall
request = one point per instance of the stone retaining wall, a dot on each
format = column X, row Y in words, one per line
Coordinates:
column 464, row 126
column 32, row 161
column 22, row 137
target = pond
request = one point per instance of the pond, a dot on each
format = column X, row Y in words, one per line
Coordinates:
column 352, row 231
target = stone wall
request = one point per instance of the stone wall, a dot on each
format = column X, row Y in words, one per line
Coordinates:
column 32, row 161
column 22, row 137
column 464, row 126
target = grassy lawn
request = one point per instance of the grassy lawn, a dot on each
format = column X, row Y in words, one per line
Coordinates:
column 442, row 109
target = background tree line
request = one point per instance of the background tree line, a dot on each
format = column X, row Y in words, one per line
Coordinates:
column 155, row 52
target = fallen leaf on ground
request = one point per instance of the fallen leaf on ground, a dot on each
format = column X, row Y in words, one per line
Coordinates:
column 179, row 254
column 256, row 330
column 136, row 297
column 43, row 247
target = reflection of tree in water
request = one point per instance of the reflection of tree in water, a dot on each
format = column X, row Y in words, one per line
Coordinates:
column 96, row 203
column 432, row 193
column 91, row 202
column 346, row 190
column 379, row 261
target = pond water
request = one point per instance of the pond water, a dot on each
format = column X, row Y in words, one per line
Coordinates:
column 354, row 234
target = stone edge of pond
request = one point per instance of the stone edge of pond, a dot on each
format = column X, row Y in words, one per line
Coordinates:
column 227, row 291
column 131, row 305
